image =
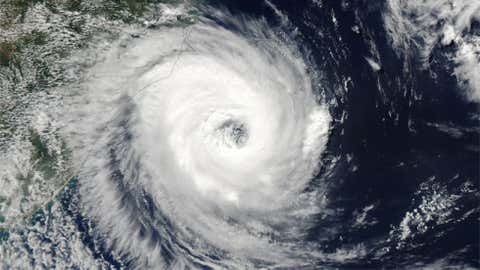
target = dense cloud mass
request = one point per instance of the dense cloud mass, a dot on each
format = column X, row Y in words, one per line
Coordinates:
column 223, row 131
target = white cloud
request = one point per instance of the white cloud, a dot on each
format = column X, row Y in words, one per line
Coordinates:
column 422, row 24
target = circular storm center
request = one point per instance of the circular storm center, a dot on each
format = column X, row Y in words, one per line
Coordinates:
column 233, row 133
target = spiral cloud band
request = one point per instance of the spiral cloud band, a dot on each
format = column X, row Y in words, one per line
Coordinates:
column 199, row 143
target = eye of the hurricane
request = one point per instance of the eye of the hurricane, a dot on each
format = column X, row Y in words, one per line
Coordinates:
column 233, row 133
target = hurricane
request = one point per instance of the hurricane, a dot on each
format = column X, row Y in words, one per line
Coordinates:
column 200, row 134
column 223, row 129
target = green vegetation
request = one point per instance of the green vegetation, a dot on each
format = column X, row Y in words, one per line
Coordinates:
column 41, row 150
column 12, row 10
column 43, row 160
column 7, row 53
column 44, row 163
column 127, row 10
column 34, row 38
column 10, row 49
